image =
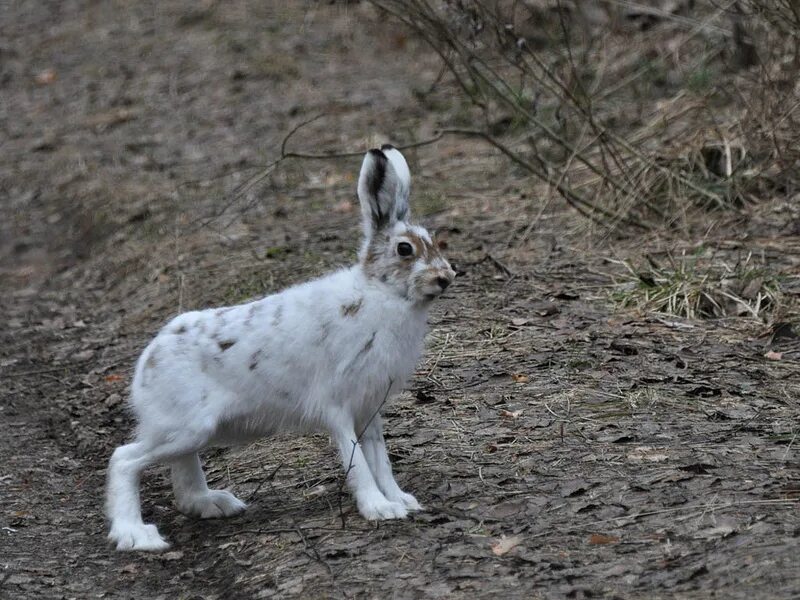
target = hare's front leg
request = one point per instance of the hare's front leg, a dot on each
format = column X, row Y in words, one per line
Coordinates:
column 192, row 495
column 372, row 504
column 375, row 452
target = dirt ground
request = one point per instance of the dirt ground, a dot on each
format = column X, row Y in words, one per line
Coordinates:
column 563, row 448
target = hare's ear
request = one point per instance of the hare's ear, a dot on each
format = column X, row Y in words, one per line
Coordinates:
column 383, row 187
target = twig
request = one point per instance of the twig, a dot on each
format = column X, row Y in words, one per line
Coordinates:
column 285, row 155
column 312, row 553
column 356, row 442
column 499, row 265
column 789, row 447
column 268, row 478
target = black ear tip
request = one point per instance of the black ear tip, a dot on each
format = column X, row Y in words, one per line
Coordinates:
column 387, row 147
column 377, row 153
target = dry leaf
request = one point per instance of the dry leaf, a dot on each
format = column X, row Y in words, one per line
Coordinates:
column 113, row 377
column 345, row 206
column 545, row 309
column 113, row 399
column 508, row 414
column 600, row 539
column 519, row 322
column 649, row 454
column 174, row 555
column 45, row 77
column 315, row 491
column 519, row 377
column 505, row 544
column 772, row 355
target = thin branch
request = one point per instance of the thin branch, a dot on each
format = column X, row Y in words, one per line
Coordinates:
column 356, row 442
column 268, row 479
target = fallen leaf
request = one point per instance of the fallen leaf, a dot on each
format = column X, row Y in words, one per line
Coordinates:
column 772, row 355
column 174, row 555
column 518, row 322
column 599, row 539
column 45, row 77
column 508, row 414
column 113, row 377
column 315, row 491
column 519, row 377
column 129, row 568
column 113, row 399
column 83, row 354
column 345, row 206
column 646, row 453
column 545, row 309
column 505, row 544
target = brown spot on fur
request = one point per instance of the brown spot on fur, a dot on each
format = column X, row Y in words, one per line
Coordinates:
column 151, row 360
column 349, row 310
column 419, row 245
column 225, row 344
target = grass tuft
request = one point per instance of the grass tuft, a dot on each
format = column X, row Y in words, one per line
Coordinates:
column 694, row 288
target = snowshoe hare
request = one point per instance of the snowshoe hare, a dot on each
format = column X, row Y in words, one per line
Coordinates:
column 322, row 355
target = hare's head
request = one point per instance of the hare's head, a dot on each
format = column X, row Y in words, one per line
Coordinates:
column 396, row 253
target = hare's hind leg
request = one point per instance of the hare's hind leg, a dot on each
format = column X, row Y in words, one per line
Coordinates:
column 123, row 507
column 192, row 495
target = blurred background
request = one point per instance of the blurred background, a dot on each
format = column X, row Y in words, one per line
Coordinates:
column 609, row 400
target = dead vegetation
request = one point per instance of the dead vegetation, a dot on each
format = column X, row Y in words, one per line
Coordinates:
column 698, row 287
column 636, row 113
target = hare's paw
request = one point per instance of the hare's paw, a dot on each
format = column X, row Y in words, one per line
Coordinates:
column 408, row 501
column 137, row 536
column 375, row 507
column 212, row 504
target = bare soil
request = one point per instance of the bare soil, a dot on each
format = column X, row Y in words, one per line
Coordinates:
column 562, row 448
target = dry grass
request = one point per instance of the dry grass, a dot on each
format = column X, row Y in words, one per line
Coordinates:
column 697, row 288
column 639, row 117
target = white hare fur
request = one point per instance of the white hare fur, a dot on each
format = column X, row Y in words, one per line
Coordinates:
column 317, row 356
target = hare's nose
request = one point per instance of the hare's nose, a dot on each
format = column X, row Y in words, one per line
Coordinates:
column 443, row 282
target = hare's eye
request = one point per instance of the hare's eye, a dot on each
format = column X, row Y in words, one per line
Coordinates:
column 405, row 249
